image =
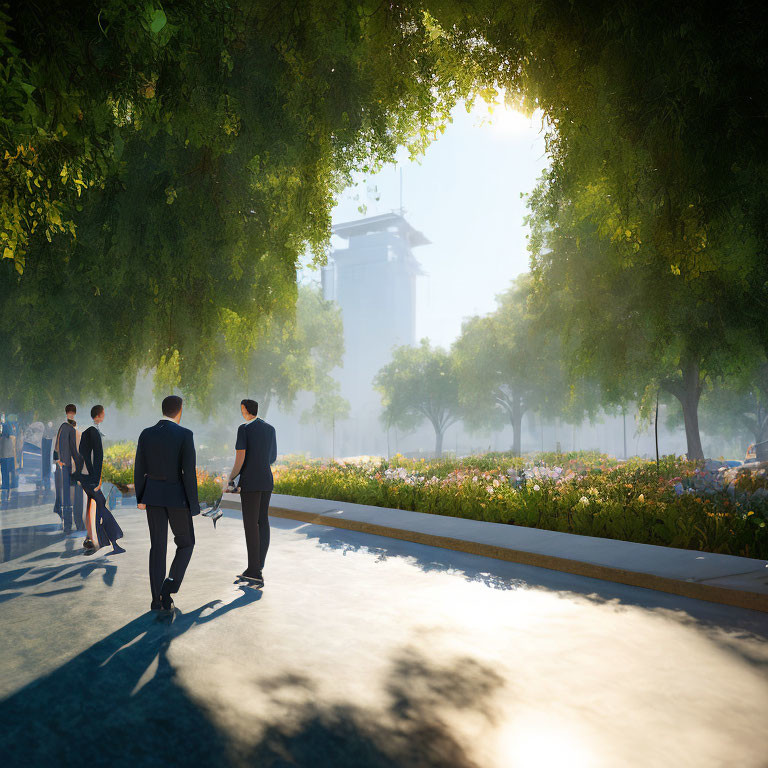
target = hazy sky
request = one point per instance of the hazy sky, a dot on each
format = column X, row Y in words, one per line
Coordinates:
column 464, row 195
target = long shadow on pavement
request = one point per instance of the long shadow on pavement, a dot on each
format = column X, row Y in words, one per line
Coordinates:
column 108, row 707
column 93, row 710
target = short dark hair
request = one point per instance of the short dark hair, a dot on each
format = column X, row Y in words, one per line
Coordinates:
column 96, row 411
column 70, row 408
column 251, row 406
column 171, row 405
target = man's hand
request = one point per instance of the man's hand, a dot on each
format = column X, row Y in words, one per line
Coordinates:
column 60, row 463
column 98, row 487
column 141, row 506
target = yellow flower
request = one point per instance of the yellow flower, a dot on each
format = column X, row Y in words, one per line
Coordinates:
column 751, row 512
column 641, row 498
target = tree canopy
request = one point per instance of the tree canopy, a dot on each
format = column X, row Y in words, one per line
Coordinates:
column 164, row 167
column 513, row 361
column 420, row 384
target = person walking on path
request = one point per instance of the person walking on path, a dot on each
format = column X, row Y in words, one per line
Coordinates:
column 7, row 458
column 68, row 495
column 255, row 452
column 100, row 524
column 165, row 478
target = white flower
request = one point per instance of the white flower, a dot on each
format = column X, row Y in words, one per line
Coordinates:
column 536, row 488
column 489, row 488
column 584, row 500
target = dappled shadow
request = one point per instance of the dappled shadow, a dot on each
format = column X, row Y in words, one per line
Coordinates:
column 121, row 696
column 28, row 580
column 124, row 693
column 409, row 730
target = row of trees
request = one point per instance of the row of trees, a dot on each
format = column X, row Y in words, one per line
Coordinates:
column 517, row 360
column 502, row 366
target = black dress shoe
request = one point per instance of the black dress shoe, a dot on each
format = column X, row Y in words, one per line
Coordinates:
column 156, row 606
column 254, row 577
column 88, row 544
column 165, row 595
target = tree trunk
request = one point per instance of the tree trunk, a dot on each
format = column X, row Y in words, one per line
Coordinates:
column 688, row 392
column 516, row 420
column 438, row 442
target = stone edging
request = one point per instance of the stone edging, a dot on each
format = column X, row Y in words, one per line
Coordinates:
column 693, row 589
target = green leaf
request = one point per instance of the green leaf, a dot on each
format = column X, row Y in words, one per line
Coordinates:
column 159, row 20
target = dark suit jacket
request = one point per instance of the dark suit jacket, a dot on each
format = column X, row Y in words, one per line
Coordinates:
column 66, row 445
column 164, row 470
column 258, row 440
column 90, row 457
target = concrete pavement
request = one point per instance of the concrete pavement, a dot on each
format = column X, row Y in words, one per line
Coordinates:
column 361, row 651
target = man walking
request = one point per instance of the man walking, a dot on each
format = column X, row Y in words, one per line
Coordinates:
column 255, row 452
column 166, row 487
column 65, row 451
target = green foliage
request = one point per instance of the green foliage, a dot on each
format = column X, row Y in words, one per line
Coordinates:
column 587, row 494
column 192, row 154
column 162, row 168
column 511, row 362
column 118, row 463
column 420, row 383
column 281, row 356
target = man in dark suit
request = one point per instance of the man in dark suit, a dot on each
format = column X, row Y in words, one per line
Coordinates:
column 255, row 452
column 166, row 486
column 65, row 451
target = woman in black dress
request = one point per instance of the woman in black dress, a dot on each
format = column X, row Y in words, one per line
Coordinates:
column 102, row 526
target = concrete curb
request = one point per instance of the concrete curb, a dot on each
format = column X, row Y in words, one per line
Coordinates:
column 740, row 598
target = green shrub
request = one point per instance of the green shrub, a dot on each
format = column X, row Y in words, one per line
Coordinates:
column 584, row 493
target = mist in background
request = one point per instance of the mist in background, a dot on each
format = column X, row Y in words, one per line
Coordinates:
column 466, row 197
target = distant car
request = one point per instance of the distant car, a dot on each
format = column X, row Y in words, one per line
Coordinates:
column 732, row 463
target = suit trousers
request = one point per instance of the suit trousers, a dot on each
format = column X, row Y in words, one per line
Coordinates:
column 71, row 501
column 255, row 508
column 57, row 485
column 180, row 520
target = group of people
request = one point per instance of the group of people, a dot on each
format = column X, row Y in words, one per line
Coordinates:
column 165, row 479
column 17, row 444
column 79, row 457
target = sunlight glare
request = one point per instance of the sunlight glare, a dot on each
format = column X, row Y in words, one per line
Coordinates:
column 541, row 740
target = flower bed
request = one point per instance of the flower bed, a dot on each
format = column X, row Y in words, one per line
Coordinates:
column 687, row 505
column 118, row 464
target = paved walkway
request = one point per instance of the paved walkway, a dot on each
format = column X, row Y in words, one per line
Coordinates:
column 361, row 651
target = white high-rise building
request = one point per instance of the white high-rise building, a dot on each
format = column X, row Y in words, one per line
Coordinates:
column 373, row 280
